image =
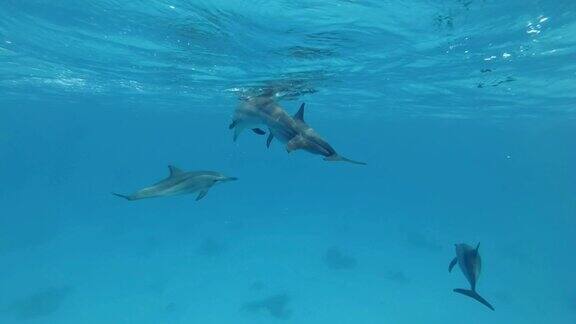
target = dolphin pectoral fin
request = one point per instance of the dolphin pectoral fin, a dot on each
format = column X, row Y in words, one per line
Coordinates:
column 337, row 157
column 258, row 131
column 202, row 194
column 452, row 264
column 122, row 196
column 269, row 139
column 232, row 124
column 473, row 294
column 174, row 171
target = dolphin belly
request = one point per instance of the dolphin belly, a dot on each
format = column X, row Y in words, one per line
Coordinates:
column 466, row 269
column 319, row 149
column 187, row 186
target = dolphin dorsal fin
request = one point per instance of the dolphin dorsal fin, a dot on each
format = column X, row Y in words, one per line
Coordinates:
column 174, row 171
column 300, row 114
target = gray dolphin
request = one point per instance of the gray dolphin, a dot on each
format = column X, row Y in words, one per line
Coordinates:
column 293, row 131
column 179, row 183
column 256, row 112
column 468, row 258
column 307, row 139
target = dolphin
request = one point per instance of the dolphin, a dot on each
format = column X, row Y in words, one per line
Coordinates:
column 307, row 139
column 256, row 112
column 291, row 130
column 179, row 183
column 470, row 263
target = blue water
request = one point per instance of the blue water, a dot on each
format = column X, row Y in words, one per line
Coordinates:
column 464, row 111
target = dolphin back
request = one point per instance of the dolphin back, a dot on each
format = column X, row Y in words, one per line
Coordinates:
column 475, row 295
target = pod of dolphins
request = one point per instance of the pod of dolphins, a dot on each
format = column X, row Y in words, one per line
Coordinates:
column 263, row 111
column 290, row 130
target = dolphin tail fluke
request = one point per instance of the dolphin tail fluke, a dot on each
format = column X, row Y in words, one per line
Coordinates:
column 237, row 131
column 122, row 196
column 473, row 294
column 452, row 264
column 238, row 128
column 343, row 159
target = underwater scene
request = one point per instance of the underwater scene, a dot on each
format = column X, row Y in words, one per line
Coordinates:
column 287, row 161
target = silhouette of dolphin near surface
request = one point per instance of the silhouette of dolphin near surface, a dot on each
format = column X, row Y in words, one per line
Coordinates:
column 470, row 263
column 180, row 183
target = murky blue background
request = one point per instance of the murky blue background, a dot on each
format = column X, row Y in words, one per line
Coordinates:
column 464, row 110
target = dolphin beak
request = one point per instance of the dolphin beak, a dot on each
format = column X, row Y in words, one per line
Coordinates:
column 336, row 157
column 230, row 179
